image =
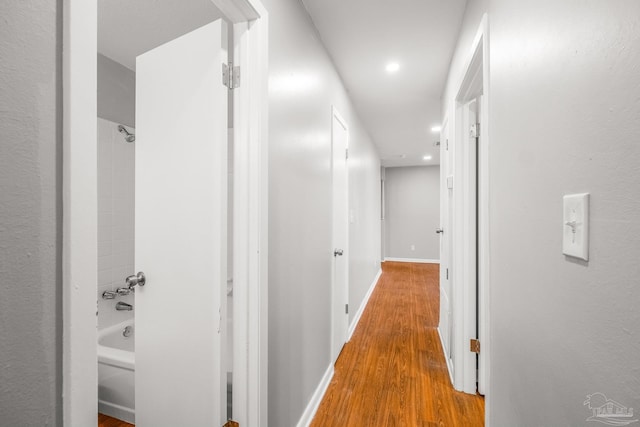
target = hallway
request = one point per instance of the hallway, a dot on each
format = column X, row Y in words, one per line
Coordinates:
column 393, row 372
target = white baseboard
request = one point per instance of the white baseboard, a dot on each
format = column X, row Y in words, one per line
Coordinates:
column 314, row 403
column 363, row 305
column 446, row 359
column 117, row 411
column 416, row 260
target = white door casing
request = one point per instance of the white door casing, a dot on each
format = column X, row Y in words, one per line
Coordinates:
column 340, row 233
column 482, row 243
column 250, row 19
column 181, row 229
column 470, row 234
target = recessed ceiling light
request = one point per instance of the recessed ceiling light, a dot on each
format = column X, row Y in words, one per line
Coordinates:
column 427, row 158
column 436, row 128
column 393, row 67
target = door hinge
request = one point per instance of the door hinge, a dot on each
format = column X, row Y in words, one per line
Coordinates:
column 475, row 130
column 346, row 153
column 230, row 76
column 450, row 182
column 474, row 345
column 231, row 423
column 346, row 309
column 447, row 273
column 447, row 145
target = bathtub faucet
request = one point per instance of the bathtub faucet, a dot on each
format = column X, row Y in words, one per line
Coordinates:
column 123, row 306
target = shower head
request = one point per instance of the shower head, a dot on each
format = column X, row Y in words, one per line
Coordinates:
column 128, row 136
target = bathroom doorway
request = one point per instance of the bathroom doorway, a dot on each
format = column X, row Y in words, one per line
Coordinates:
column 147, row 170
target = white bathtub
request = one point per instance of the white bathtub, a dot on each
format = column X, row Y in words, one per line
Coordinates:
column 116, row 372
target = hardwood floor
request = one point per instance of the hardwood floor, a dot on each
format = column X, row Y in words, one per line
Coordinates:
column 106, row 421
column 393, row 372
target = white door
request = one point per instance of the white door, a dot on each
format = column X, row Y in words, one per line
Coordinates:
column 181, row 226
column 340, row 254
column 446, row 246
column 480, row 245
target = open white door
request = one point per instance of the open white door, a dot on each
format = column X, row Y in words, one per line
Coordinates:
column 339, row 291
column 181, row 228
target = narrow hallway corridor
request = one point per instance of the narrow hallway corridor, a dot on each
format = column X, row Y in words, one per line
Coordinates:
column 393, row 372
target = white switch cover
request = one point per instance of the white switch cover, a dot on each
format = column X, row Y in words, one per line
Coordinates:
column 575, row 223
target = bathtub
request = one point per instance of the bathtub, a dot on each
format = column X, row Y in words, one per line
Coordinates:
column 116, row 372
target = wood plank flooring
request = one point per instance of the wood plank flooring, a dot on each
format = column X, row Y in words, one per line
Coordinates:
column 393, row 372
column 107, row 421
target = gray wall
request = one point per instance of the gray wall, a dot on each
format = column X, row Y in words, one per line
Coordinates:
column 30, row 244
column 570, row 71
column 303, row 86
column 412, row 212
column 567, row 72
column 116, row 92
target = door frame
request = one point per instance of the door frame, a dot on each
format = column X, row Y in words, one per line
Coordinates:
column 475, row 78
column 336, row 304
column 80, row 242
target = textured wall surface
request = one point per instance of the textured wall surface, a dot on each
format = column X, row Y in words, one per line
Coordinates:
column 412, row 212
column 569, row 73
column 116, row 92
column 30, row 178
column 303, row 87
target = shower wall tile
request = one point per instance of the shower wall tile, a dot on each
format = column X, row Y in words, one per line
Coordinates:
column 116, row 219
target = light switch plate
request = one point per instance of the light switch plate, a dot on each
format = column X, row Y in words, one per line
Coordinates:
column 575, row 225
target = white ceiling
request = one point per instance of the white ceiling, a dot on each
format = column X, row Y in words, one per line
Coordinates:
column 128, row 28
column 362, row 36
column 399, row 109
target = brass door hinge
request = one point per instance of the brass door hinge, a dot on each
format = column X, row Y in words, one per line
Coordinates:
column 474, row 346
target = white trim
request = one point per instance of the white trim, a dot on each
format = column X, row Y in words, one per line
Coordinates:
column 237, row 11
column 483, row 222
column 415, row 260
column 314, row 403
column 80, row 399
column 363, row 305
column 80, row 214
column 446, row 358
column 250, row 364
column 463, row 235
column 116, row 411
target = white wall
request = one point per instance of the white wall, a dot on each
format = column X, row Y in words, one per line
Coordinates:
column 564, row 116
column 116, row 217
column 116, row 92
column 303, row 87
column 412, row 212
column 30, row 214
column 569, row 73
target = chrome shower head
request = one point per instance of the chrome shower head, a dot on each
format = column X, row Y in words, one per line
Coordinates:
column 128, row 136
